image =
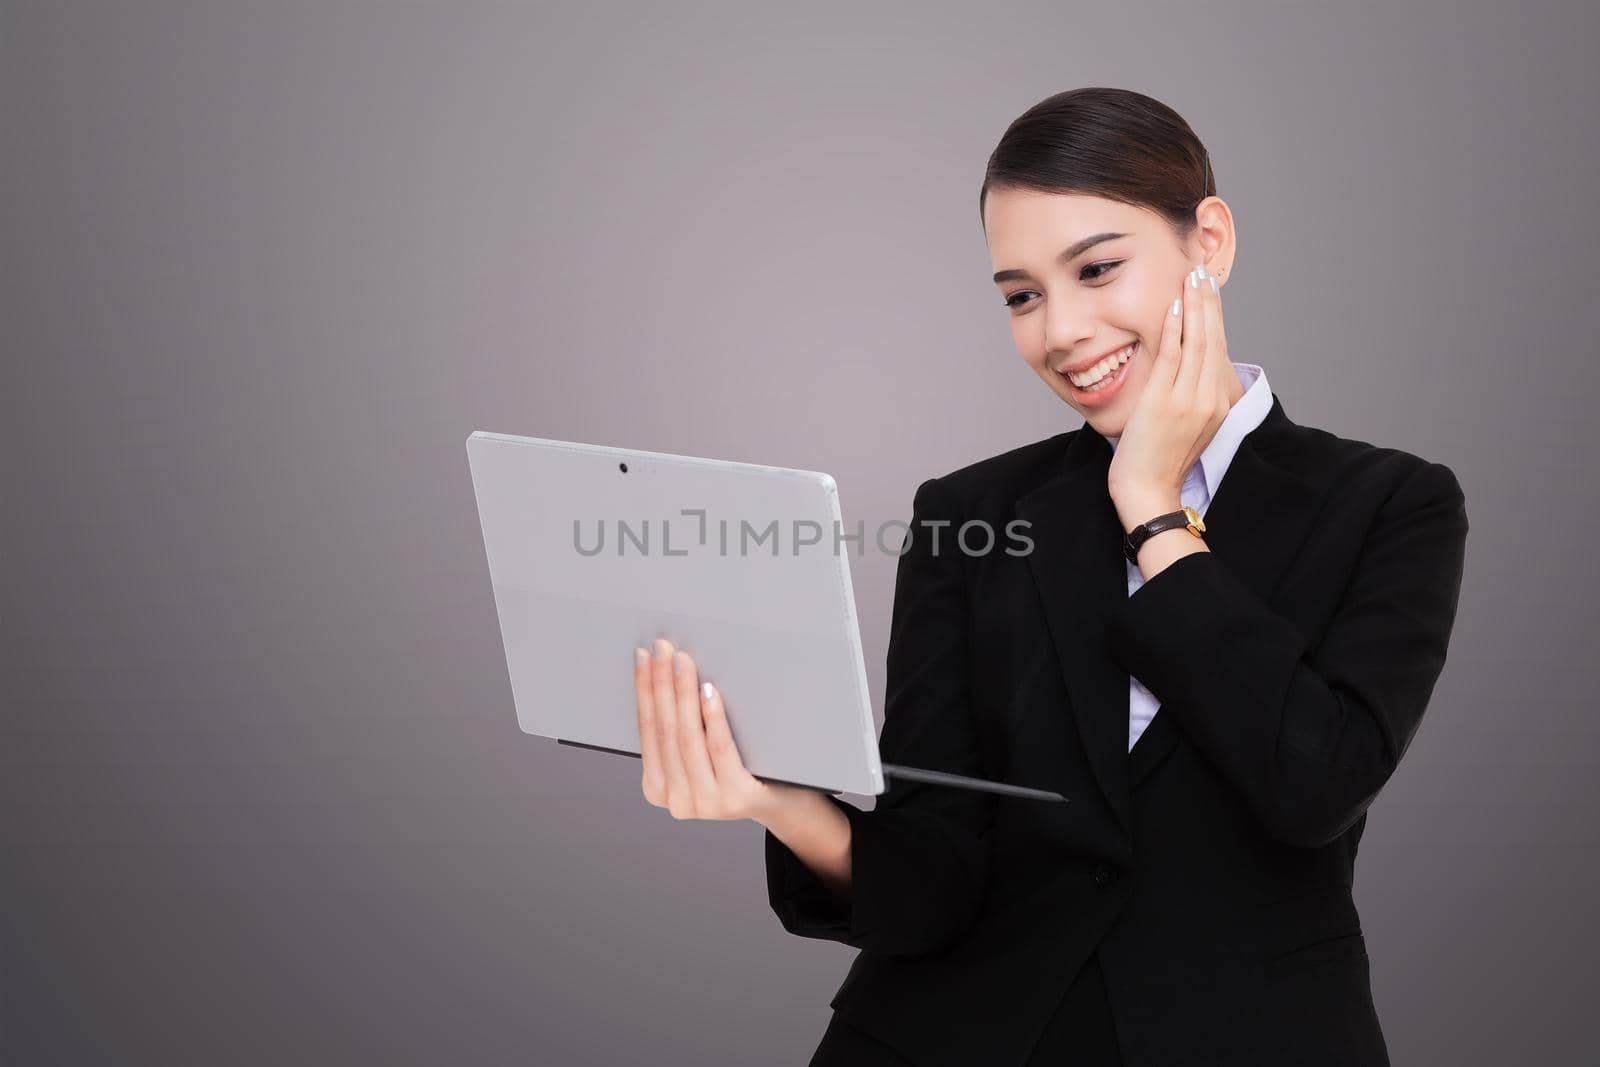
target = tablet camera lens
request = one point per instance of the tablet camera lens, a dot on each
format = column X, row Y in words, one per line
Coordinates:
column 622, row 467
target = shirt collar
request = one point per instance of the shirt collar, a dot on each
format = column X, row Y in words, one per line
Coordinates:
column 1245, row 415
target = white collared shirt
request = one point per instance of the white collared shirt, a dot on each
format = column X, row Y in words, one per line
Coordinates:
column 1198, row 488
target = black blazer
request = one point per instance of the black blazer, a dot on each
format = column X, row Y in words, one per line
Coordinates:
column 1210, row 867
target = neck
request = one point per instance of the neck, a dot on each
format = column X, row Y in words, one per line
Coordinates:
column 1235, row 389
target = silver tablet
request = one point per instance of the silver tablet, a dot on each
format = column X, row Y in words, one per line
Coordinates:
column 594, row 550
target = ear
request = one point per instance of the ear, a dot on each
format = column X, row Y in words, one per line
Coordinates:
column 1214, row 239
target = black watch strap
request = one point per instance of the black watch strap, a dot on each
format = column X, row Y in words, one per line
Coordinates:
column 1187, row 517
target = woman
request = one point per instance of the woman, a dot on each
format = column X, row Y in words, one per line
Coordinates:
column 1220, row 695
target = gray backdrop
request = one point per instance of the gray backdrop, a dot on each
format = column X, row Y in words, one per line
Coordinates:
column 262, row 795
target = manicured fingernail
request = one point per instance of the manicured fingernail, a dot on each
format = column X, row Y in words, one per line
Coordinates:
column 663, row 648
column 640, row 657
column 1214, row 288
column 1200, row 269
column 706, row 691
column 680, row 663
column 1194, row 280
column 1177, row 304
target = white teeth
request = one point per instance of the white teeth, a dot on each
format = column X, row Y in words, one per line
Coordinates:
column 1100, row 370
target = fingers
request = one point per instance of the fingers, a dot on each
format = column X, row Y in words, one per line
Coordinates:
column 691, row 764
column 1220, row 367
column 692, row 736
column 1195, row 291
column 654, row 782
column 667, row 712
column 1206, row 390
column 725, row 759
column 1165, row 366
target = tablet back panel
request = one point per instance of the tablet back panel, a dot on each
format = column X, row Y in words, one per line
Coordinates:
column 588, row 561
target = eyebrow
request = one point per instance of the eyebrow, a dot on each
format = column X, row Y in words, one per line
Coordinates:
column 1064, row 258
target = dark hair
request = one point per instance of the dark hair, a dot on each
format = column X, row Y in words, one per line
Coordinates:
column 1114, row 143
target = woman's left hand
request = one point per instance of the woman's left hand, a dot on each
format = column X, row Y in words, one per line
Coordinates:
column 1184, row 402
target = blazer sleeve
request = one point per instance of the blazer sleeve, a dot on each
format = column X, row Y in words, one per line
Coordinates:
column 919, row 859
column 1309, row 734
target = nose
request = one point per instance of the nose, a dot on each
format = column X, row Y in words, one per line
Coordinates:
column 1068, row 325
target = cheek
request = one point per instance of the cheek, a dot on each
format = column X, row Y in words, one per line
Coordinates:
column 1138, row 374
column 1137, row 306
column 1028, row 343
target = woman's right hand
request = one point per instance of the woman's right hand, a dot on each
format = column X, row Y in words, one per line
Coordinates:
column 691, row 764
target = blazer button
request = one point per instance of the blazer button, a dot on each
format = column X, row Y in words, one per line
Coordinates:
column 1104, row 875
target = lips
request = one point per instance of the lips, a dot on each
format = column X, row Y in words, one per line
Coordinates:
column 1108, row 387
column 1087, row 365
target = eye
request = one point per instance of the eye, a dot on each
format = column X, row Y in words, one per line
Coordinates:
column 1099, row 269
column 1088, row 274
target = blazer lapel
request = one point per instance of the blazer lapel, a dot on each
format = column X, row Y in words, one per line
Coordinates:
column 1255, row 523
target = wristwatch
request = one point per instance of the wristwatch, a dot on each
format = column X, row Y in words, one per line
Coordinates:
column 1188, row 517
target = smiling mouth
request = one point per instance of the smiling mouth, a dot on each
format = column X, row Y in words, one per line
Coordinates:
column 1108, row 379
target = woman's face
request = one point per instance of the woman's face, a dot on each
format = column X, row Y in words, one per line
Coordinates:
column 1085, row 277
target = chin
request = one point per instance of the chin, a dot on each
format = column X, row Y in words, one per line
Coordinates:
column 1106, row 427
column 1108, row 423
